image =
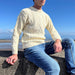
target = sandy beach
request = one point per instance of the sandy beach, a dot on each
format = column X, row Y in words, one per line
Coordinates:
column 5, row 41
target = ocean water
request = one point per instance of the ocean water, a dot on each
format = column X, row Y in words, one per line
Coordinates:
column 8, row 45
column 48, row 37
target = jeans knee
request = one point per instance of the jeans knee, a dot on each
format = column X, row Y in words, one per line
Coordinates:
column 58, row 68
column 67, row 43
column 69, row 40
column 54, row 68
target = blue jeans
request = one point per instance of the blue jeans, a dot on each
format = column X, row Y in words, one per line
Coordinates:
column 39, row 55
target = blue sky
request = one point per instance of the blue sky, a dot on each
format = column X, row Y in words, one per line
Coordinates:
column 62, row 13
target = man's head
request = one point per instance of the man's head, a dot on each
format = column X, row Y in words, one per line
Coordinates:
column 39, row 2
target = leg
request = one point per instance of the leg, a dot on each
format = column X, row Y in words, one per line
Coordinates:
column 49, row 47
column 37, row 55
column 69, row 47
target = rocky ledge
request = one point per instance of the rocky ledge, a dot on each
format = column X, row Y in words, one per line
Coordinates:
column 24, row 67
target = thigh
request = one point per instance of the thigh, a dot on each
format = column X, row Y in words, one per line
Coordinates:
column 38, row 56
column 49, row 47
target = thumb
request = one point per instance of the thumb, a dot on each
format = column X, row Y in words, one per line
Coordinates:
column 56, row 50
column 54, row 47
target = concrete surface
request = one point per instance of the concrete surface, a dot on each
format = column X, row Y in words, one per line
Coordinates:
column 24, row 67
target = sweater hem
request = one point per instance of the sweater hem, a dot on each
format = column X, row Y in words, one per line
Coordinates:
column 30, row 44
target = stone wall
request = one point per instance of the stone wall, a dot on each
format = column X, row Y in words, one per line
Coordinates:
column 24, row 67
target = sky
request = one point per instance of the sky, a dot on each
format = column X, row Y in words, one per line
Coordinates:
column 62, row 13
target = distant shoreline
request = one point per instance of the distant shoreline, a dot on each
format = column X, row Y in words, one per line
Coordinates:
column 5, row 45
column 5, row 41
column 9, row 41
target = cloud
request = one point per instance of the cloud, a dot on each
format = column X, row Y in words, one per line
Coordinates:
column 11, row 30
column 4, row 31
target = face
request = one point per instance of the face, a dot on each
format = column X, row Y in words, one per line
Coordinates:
column 39, row 2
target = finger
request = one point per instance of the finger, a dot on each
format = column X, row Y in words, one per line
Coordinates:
column 54, row 47
column 10, row 61
column 7, row 61
column 14, row 60
column 59, row 49
column 56, row 51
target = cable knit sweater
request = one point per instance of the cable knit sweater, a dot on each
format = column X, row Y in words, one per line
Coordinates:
column 32, row 22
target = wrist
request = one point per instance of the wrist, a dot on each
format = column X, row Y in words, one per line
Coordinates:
column 15, row 54
column 58, row 40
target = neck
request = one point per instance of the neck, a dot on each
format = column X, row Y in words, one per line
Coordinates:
column 37, row 7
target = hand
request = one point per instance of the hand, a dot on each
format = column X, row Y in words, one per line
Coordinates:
column 57, row 46
column 12, row 59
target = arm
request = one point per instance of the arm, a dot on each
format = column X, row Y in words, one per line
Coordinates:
column 53, row 32
column 21, row 21
column 20, row 24
column 55, row 35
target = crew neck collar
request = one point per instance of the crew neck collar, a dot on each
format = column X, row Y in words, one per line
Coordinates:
column 35, row 9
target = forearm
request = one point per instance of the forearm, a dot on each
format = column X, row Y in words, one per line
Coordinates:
column 54, row 34
column 15, row 40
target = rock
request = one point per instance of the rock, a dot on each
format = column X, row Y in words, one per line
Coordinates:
column 24, row 67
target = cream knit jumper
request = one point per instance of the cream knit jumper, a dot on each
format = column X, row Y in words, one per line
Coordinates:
column 32, row 22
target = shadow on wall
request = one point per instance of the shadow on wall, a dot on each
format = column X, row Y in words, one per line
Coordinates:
column 21, row 67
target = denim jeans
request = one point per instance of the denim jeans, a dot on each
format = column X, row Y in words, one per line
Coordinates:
column 39, row 55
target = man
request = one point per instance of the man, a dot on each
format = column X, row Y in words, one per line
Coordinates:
column 33, row 21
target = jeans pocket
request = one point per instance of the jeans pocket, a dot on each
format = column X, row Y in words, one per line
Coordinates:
column 27, row 51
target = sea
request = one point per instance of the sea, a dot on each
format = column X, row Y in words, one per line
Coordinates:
column 9, row 45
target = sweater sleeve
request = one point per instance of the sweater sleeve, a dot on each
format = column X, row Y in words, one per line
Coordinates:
column 53, row 32
column 20, row 23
